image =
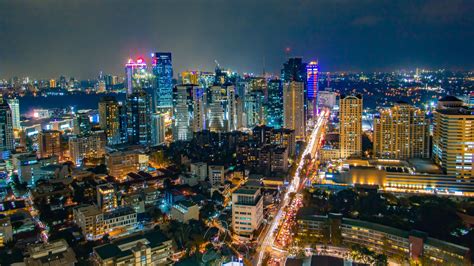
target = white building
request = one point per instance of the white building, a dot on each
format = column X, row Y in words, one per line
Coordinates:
column 200, row 170
column 216, row 174
column 184, row 211
column 15, row 108
column 247, row 211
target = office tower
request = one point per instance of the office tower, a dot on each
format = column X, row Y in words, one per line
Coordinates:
column 106, row 197
column 158, row 129
column 15, row 108
column 254, row 108
column 312, row 73
column 139, row 118
column 401, row 132
column 199, row 109
column 49, row 144
column 183, row 112
column 88, row 146
column 453, row 137
column 222, row 109
column 274, row 107
column 135, row 75
column 247, row 211
column 293, row 70
column 52, row 83
column 293, row 107
column 6, row 127
column 109, row 119
column 82, row 123
column 123, row 122
column 163, row 72
column 350, row 125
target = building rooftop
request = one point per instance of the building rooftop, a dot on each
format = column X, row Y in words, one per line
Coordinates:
column 247, row 191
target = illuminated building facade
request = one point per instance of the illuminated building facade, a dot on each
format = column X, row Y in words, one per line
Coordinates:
column 109, row 119
column 293, row 106
column 184, row 211
column 453, row 137
column 15, row 108
column 163, row 72
column 139, row 118
column 350, row 127
column 183, row 112
column 135, row 74
column 6, row 127
column 401, row 132
column 254, row 108
column 106, row 197
column 49, row 144
column 158, row 129
column 274, row 107
column 312, row 73
column 91, row 146
column 247, row 211
column 222, row 116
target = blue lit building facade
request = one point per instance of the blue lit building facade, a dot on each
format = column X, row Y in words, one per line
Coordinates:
column 312, row 72
column 163, row 72
column 274, row 107
column 139, row 118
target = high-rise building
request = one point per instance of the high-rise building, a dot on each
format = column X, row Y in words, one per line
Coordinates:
column 90, row 146
column 293, row 70
column 158, row 129
column 190, row 77
column 293, row 106
column 123, row 122
column 222, row 109
column 109, row 119
column 15, row 108
column 312, row 73
column 135, row 75
column 274, row 107
column 453, row 137
column 326, row 98
column 350, row 127
column 6, row 127
column 401, row 132
column 49, row 144
column 106, row 197
column 82, row 123
column 52, row 83
column 199, row 109
column 183, row 112
column 139, row 118
column 247, row 211
column 254, row 108
column 163, row 72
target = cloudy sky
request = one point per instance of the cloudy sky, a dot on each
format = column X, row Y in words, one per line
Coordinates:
column 79, row 38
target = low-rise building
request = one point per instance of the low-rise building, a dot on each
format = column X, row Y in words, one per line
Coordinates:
column 6, row 231
column 54, row 253
column 184, row 211
column 121, row 163
column 145, row 248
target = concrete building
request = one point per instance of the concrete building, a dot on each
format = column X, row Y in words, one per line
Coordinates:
column 95, row 224
column 29, row 167
column 106, row 197
column 121, row 163
column 158, row 128
column 145, row 248
column 401, row 132
column 199, row 169
column 109, row 119
column 15, row 108
column 350, row 127
column 90, row 146
column 453, row 137
column 247, row 211
column 49, row 144
column 216, row 174
column 6, row 231
column 293, row 108
column 54, row 253
column 6, row 127
column 184, row 211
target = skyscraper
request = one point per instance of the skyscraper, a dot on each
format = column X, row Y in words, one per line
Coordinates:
column 293, row 105
column 157, row 129
column 15, row 108
column 293, row 70
column 312, row 73
column 139, row 118
column 274, row 106
column 163, row 85
column 109, row 119
column 222, row 109
column 49, row 144
column 183, row 112
column 199, row 109
column 91, row 146
column 453, row 137
column 135, row 74
column 6, row 127
column 254, row 108
column 350, row 127
column 401, row 132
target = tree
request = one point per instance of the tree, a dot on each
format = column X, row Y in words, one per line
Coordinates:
column 217, row 197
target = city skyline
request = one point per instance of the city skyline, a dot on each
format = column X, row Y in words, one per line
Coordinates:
column 88, row 37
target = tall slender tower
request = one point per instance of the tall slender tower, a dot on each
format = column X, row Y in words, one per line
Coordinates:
column 293, row 104
column 350, row 128
column 135, row 72
column 139, row 118
column 15, row 108
column 6, row 127
column 163, row 72
column 312, row 74
column 109, row 119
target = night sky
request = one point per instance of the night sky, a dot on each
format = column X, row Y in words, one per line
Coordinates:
column 46, row 38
